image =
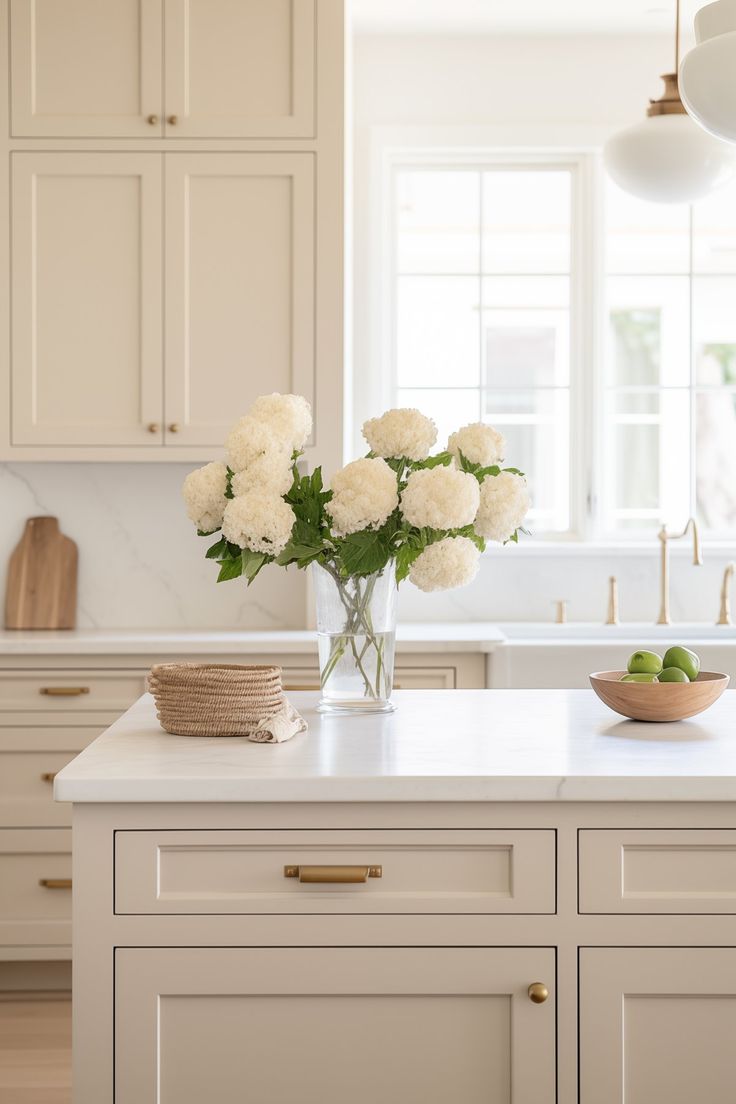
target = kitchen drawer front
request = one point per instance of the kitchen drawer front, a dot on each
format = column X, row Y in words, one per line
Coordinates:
column 69, row 692
column 422, row 871
column 405, row 678
column 27, row 789
column 657, row 871
column 32, row 913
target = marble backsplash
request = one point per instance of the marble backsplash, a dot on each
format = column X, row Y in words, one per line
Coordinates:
column 141, row 565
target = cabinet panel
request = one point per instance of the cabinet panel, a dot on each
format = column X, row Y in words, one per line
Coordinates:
column 240, row 289
column 86, row 240
column 31, row 913
column 324, row 1026
column 61, row 693
column 657, row 1024
column 240, row 68
column 86, row 67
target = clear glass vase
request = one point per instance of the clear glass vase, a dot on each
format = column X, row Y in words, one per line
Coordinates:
column 356, row 630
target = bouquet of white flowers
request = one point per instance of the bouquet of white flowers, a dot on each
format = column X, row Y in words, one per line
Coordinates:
column 399, row 512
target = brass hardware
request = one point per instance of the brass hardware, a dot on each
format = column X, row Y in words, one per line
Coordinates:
column 724, row 617
column 152, row 120
column 154, row 427
column 612, row 615
column 333, row 875
column 303, row 686
column 669, row 102
column 538, row 992
column 561, row 611
column 49, row 776
column 64, row 691
column 55, row 883
column 664, row 590
column 173, row 427
column 172, row 120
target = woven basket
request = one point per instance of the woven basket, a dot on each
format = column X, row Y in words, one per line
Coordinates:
column 214, row 699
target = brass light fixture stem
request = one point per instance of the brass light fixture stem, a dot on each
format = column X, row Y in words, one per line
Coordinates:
column 669, row 102
column 677, row 36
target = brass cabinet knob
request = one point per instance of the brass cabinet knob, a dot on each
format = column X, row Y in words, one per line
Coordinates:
column 152, row 120
column 538, row 992
column 173, row 427
column 154, row 427
column 172, row 120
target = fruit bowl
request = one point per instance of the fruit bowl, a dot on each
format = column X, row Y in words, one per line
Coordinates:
column 658, row 701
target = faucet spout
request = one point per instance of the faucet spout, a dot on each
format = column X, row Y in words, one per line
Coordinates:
column 724, row 617
column 664, row 539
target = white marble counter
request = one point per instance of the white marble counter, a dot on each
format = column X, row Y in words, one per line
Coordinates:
column 415, row 637
column 461, row 745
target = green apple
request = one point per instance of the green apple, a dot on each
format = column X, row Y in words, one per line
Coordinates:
column 639, row 676
column 683, row 658
column 646, row 663
column 672, row 674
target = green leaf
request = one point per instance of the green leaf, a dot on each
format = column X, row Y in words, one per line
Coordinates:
column 230, row 569
column 252, row 563
column 405, row 557
column 229, row 483
column 305, row 545
column 207, row 532
column 441, row 458
column 515, row 471
column 218, row 550
column 364, row 552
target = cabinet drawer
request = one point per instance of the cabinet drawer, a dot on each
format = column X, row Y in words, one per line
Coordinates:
column 657, row 870
column 405, row 678
column 27, row 788
column 29, row 911
column 426, row 871
column 63, row 692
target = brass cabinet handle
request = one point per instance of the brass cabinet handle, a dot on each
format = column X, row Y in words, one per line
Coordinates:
column 49, row 776
column 64, row 691
column 173, row 427
column 302, row 686
column 172, row 120
column 152, row 120
column 55, row 883
column 154, row 427
column 538, row 992
column 333, row 875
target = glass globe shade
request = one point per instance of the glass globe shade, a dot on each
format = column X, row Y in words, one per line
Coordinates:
column 708, row 72
column 668, row 159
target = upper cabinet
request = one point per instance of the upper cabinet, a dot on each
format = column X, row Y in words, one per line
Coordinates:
column 172, row 68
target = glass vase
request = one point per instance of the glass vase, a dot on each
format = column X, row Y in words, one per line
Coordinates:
column 356, row 630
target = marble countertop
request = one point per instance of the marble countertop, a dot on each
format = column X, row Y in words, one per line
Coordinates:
column 457, row 745
column 477, row 636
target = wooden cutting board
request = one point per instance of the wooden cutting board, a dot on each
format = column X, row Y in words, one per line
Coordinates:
column 41, row 588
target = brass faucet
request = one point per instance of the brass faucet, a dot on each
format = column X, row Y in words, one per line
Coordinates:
column 612, row 615
column 665, row 538
column 724, row 617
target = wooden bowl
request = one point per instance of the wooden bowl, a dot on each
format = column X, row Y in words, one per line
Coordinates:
column 658, row 701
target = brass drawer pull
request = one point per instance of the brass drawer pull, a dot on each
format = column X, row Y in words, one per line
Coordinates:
column 333, row 875
column 64, row 691
column 49, row 776
column 56, row 883
column 538, row 992
column 302, row 686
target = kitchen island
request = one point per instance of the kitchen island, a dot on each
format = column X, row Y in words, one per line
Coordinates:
column 487, row 896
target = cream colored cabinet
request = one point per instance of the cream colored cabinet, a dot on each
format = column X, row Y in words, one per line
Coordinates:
column 179, row 68
column 657, row 1024
column 332, row 1024
column 240, row 290
column 86, row 299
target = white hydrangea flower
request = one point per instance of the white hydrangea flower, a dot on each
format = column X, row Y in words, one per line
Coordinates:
column 263, row 475
column 504, row 502
column 479, row 443
column 259, row 521
column 252, row 441
column 288, row 416
column 441, row 498
column 364, row 494
column 204, row 495
column 402, row 432
column 452, row 562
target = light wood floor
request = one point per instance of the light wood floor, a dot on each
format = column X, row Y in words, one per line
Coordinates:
column 35, row 1051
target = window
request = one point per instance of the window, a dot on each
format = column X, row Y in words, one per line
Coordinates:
column 596, row 331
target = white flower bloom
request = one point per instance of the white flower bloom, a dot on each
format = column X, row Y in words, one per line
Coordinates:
column 252, row 441
column 204, row 495
column 263, row 475
column 441, row 498
column 288, row 416
column 364, row 494
column 479, row 443
column 504, row 502
column 259, row 521
column 402, row 432
column 452, row 562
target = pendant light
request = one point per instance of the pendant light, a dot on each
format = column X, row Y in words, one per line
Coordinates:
column 668, row 158
column 708, row 72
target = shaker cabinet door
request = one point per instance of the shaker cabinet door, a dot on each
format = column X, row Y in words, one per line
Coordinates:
column 86, row 302
column 86, row 68
column 240, row 287
column 240, row 68
column 657, row 1024
column 330, row 1025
